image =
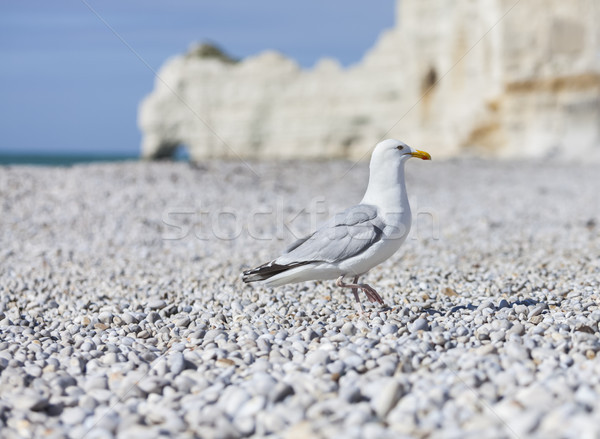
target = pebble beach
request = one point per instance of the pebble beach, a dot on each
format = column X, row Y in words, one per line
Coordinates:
column 122, row 311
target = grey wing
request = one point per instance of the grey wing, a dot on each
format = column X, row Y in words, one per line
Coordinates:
column 347, row 234
column 297, row 243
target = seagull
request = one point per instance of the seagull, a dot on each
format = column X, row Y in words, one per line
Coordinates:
column 355, row 240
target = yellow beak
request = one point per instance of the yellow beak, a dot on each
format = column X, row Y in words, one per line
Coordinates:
column 421, row 154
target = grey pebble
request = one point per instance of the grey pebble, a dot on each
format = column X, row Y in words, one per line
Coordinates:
column 30, row 401
column 281, row 391
column 517, row 328
column 520, row 309
column 33, row 370
column 183, row 321
column 233, row 399
column 317, row 357
column 129, row 318
column 388, row 393
column 262, row 383
column 153, row 317
column 419, row 324
column 150, row 384
column 74, row 415
column 252, row 406
column 485, row 304
column 156, row 304
column 538, row 309
column 348, row 329
column 176, row 363
column 389, row 329
column 105, row 317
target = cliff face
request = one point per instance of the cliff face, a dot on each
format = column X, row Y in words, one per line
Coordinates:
column 453, row 75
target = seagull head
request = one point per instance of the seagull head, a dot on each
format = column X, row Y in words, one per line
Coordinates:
column 394, row 150
column 386, row 175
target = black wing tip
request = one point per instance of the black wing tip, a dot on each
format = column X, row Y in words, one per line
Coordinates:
column 268, row 270
column 248, row 276
column 257, row 274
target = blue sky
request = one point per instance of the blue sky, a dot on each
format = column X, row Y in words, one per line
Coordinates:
column 68, row 84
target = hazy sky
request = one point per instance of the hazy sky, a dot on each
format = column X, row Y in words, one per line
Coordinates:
column 68, row 84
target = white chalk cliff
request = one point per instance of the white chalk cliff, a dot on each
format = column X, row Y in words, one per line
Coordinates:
column 491, row 77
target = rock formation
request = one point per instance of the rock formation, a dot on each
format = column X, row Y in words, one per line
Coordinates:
column 494, row 77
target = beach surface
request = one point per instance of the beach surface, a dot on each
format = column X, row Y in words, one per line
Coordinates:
column 122, row 311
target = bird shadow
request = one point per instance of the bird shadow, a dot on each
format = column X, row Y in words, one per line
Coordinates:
column 470, row 307
column 501, row 305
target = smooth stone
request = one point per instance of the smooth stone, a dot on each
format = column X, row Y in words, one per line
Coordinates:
column 516, row 350
column 233, row 399
column 350, row 393
column 318, row 356
column 246, row 425
column 129, row 318
column 88, row 402
column 419, row 324
column 389, row 329
column 262, row 383
column 281, row 391
column 156, row 304
column 87, row 346
column 150, row 385
column 537, row 310
column 252, row 406
column 183, row 321
column 176, row 363
column 517, row 328
column 96, row 382
column 520, row 309
column 33, row 370
column 153, row 317
column 30, row 401
column 461, row 331
column 106, row 419
column 73, row 415
column 388, row 394
column 105, row 317
column 485, row 304
column 348, row 329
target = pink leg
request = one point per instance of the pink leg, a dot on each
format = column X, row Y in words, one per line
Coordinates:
column 372, row 295
column 359, row 306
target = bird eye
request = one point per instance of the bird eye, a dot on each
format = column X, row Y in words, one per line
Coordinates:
column 400, row 147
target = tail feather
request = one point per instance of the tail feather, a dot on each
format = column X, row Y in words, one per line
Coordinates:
column 268, row 270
